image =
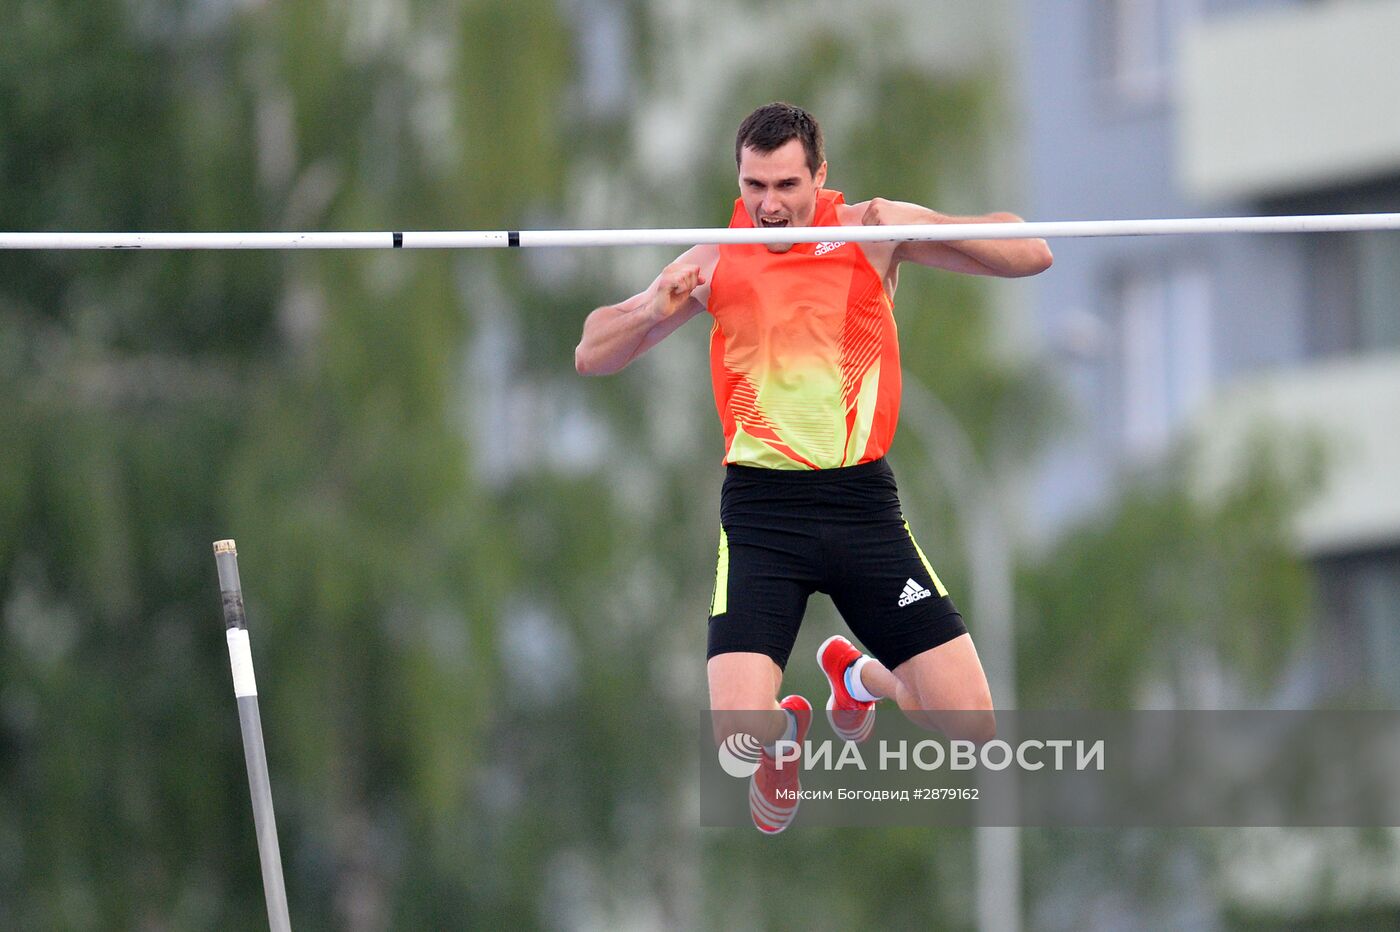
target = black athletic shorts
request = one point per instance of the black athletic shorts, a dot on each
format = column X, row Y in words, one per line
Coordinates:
column 785, row 534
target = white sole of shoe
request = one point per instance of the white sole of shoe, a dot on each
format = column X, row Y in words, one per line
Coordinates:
column 757, row 807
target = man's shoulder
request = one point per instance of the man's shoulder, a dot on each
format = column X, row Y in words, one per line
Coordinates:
column 880, row 254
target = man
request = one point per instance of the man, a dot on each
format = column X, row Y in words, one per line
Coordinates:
column 805, row 364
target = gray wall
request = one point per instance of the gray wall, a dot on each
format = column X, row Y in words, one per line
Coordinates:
column 1092, row 154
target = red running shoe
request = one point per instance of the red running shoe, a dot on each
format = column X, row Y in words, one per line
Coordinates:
column 851, row 719
column 773, row 791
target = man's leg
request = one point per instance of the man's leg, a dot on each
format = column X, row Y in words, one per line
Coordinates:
column 744, row 696
column 885, row 588
column 942, row 688
column 763, row 577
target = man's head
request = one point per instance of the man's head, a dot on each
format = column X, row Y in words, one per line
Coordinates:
column 781, row 167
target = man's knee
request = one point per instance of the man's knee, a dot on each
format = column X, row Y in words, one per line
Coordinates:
column 978, row 726
column 744, row 696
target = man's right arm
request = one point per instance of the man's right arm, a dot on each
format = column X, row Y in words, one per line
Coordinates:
column 616, row 334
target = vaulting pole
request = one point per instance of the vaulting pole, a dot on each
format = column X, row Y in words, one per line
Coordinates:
column 245, row 689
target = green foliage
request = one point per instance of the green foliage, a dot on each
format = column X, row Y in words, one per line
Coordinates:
column 1167, row 576
column 307, row 405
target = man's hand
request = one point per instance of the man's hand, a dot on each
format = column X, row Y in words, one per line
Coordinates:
column 616, row 334
column 882, row 212
column 673, row 288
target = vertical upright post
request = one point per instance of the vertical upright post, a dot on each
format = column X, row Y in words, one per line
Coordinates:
column 245, row 689
column 990, row 572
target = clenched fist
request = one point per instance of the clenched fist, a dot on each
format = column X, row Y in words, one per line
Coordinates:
column 673, row 288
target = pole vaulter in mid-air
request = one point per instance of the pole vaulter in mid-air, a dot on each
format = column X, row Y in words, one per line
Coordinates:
column 805, row 362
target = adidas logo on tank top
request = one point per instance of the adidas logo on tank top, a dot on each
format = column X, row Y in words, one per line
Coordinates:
column 913, row 592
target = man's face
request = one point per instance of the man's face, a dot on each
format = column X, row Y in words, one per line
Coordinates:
column 778, row 189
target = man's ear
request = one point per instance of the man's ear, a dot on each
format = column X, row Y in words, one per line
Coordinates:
column 820, row 177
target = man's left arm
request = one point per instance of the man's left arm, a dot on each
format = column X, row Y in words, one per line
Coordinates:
column 1003, row 258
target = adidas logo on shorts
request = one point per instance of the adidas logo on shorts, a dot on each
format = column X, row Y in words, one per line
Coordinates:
column 913, row 592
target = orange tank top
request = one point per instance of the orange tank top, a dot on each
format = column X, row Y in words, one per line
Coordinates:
column 803, row 352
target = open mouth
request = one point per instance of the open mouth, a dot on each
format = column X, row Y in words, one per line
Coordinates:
column 772, row 222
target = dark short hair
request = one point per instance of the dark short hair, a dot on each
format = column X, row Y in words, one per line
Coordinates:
column 772, row 125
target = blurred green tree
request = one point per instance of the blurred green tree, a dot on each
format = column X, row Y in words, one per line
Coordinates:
column 1169, row 577
column 309, row 405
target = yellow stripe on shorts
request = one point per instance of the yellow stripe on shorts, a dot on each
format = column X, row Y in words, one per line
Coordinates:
column 937, row 583
column 719, row 601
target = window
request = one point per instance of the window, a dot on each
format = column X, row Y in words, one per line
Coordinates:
column 1359, row 596
column 1355, row 307
column 1164, row 357
column 1141, row 39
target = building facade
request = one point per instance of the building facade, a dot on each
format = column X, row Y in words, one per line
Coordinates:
column 1178, row 108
